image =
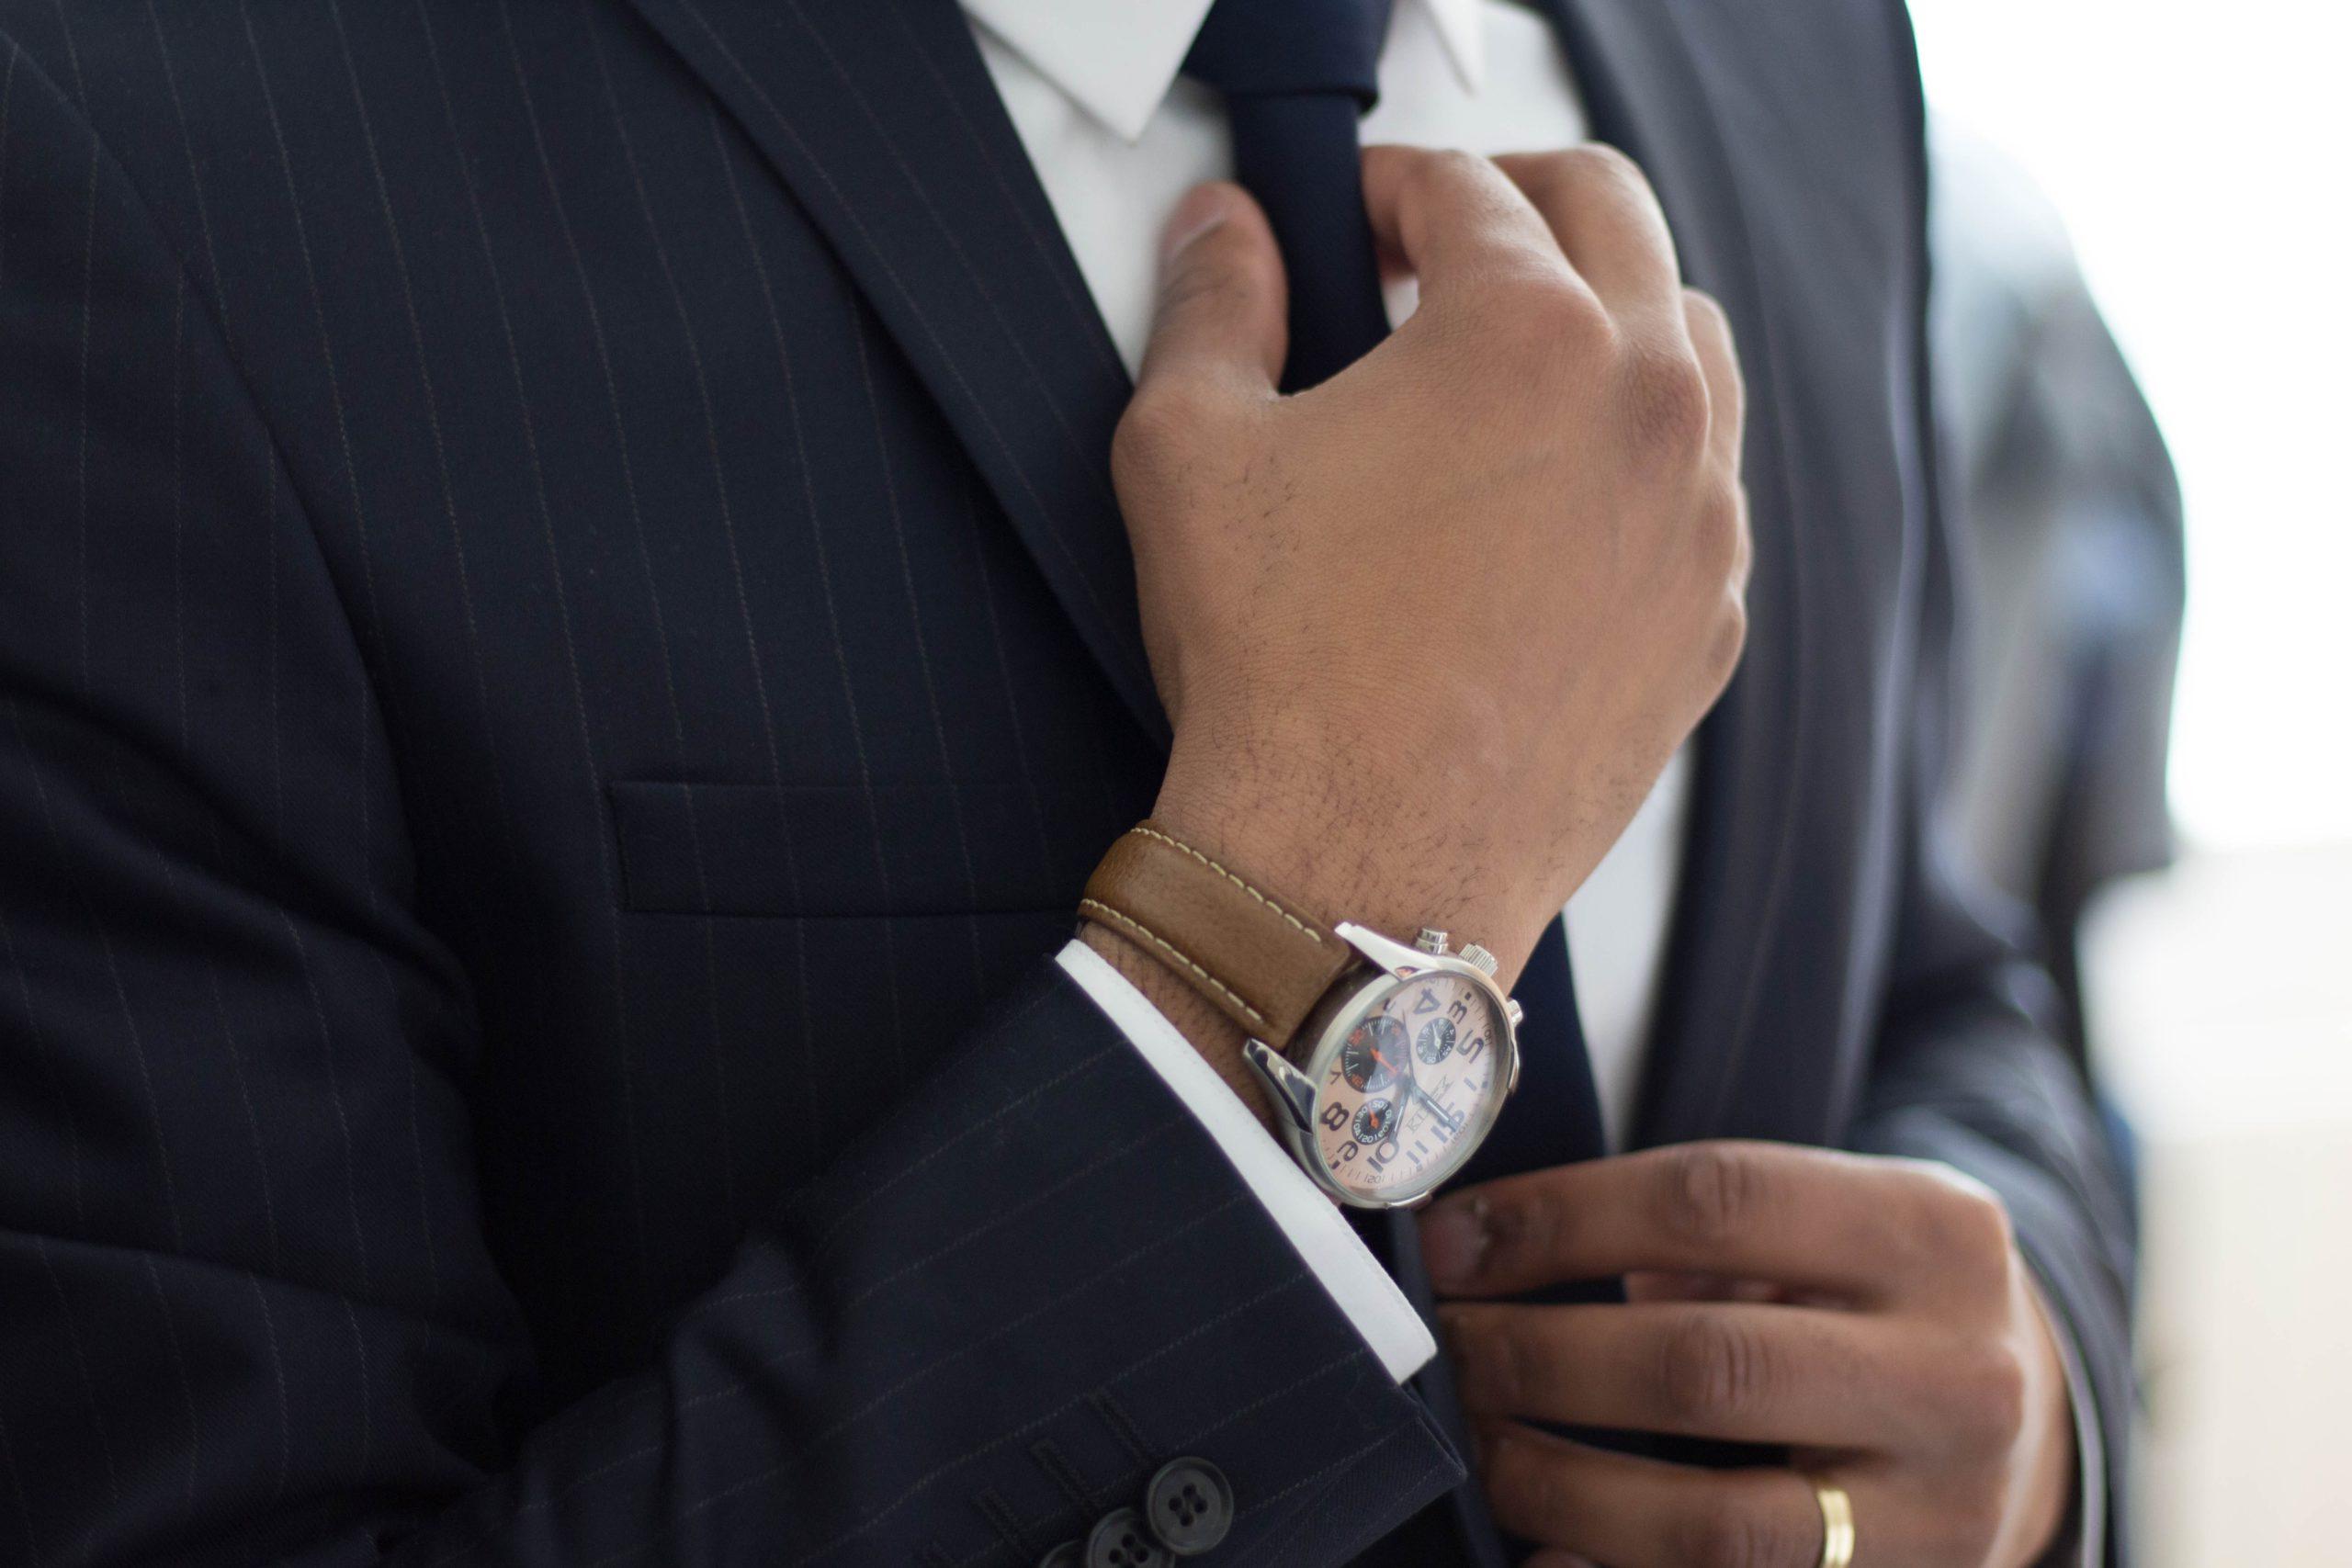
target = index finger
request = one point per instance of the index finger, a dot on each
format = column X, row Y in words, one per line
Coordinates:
column 1459, row 222
column 1846, row 1225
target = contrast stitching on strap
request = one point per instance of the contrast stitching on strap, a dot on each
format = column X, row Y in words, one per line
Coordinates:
column 1304, row 929
column 1134, row 927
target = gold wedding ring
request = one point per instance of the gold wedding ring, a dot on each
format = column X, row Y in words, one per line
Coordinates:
column 1836, row 1524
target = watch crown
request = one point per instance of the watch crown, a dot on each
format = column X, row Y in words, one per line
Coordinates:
column 1484, row 961
column 1430, row 941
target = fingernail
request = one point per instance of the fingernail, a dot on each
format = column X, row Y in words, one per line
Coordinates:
column 1205, row 208
column 1453, row 1241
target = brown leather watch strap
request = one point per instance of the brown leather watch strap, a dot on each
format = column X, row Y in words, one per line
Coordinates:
column 1253, row 953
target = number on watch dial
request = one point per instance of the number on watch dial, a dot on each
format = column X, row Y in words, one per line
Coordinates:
column 1408, row 1081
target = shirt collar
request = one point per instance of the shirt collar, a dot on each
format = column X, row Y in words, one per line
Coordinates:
column 1116, row 59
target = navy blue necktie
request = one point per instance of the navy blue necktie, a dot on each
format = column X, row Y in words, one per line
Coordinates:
column 1297, row 76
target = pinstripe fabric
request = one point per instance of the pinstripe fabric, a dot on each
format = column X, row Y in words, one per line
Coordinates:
column 564, row 649
column 432, row 425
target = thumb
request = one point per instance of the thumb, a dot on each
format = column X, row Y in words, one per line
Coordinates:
column 1220, row 317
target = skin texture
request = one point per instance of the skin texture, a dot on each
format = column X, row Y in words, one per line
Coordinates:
column 1427, row 634
column 1871, row 1314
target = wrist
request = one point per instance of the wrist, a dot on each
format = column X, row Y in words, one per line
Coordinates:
column 1209, row 1032
column 1358, row 850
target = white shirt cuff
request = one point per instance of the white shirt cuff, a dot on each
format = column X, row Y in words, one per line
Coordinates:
column 1353, row 1277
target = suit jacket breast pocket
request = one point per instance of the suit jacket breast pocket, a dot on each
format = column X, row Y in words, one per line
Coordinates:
column 845, row 850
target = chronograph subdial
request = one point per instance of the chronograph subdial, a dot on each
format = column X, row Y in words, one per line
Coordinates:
column 1375, row 1123
column 1435, row 1042
column 1374, row 1055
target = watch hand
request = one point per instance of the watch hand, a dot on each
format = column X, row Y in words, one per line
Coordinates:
column 1452, row 1123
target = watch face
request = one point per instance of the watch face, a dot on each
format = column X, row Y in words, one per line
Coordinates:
column 1415, row 1078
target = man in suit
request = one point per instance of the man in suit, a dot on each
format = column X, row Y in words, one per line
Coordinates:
column 570, row 633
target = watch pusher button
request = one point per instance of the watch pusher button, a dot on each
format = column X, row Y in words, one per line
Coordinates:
column 1485, row 963
column 1431, row 941
column 1518, row 1014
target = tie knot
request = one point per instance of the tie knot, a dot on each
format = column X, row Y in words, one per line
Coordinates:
column 1261, row 48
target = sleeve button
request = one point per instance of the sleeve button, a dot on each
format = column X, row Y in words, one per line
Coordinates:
column 1121, row 1541
column 1069, row 1554
column 1190, row 1507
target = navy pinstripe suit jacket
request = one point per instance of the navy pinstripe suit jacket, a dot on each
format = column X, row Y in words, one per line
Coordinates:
column 565, row 648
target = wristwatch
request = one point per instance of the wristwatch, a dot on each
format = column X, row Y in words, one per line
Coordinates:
column 1388, row 1063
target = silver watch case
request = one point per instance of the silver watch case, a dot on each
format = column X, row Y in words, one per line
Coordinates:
column 1292, row 1078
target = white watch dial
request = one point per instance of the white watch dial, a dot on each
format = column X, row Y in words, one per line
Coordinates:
column 1411, row 1086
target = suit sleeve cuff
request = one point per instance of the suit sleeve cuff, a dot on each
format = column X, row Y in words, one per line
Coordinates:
column 1348, row 1271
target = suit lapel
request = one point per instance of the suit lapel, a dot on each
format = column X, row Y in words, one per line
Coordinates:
column 880, row 116
column 1646, row 94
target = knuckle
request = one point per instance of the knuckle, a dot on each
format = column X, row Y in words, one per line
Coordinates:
column 1162, row 422
column 1713, row 1371
column 1667, row 402
column 1722, row 530
column 1559, row 314
column 1706, row 309
column 1523, row 1232
column 1711, row 1194
column 1601, row 161
column 1971, row 1227
column 1727, row 640
column 1731, row 1534
column 1989, row 1233
column 1545, row 332
column 1216, row 275
column 1547, row 177
column 1438, row 170
column 1989, row 1401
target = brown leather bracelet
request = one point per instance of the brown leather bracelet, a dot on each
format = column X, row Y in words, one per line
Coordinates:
column 1253, row 953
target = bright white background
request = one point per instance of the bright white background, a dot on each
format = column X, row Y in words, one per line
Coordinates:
column 2201, row 154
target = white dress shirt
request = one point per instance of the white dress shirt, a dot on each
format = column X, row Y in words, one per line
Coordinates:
column 1118, row 136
